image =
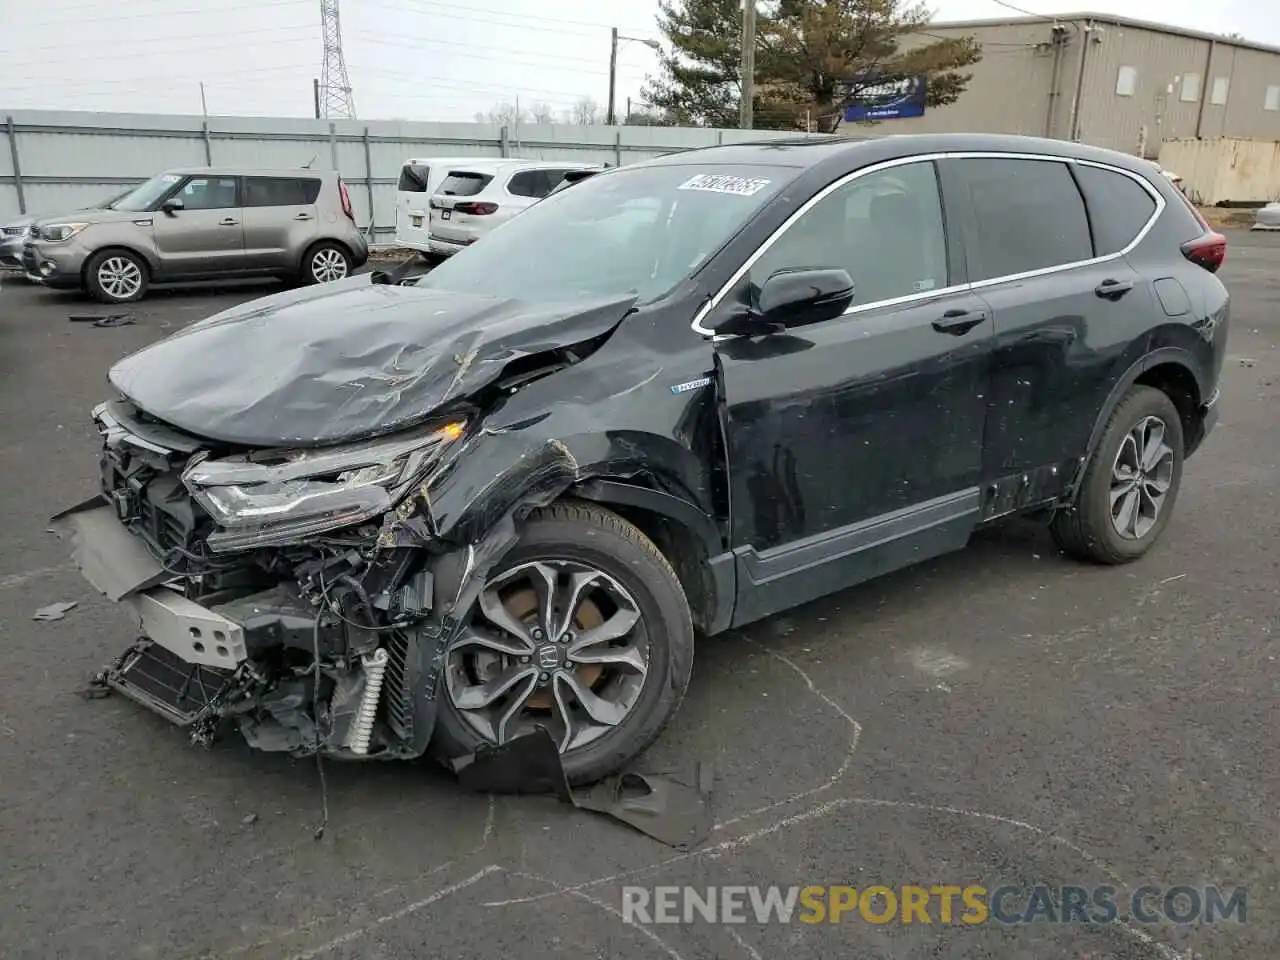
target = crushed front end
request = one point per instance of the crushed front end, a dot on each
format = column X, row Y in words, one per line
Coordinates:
column 279, row 592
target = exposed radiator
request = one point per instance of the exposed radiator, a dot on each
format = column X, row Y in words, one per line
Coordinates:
column 395, row 689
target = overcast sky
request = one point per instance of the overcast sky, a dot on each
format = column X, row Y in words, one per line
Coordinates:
column 408, row 59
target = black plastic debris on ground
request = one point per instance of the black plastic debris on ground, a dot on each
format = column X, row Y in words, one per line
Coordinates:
column 54, row 611
column 528, row 764
column 675, row 810
column 104, row 320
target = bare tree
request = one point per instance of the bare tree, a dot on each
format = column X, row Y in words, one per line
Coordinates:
column 504, row 114
column 542, row 113
column 585, row 112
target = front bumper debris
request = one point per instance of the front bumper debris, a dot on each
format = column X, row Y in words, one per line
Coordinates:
column 160, row 680
column 118, row 564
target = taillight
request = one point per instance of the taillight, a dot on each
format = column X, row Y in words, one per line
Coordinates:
column 346, row 201
column 476, row 208
column 1208, row 251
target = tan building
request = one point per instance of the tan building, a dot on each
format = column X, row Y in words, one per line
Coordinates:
column 1108, row 81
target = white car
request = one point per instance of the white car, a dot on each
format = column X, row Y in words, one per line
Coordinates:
column 1267, row 217
column 479, row 196
column 420, row 177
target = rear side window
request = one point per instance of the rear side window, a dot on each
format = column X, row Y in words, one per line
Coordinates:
column 462, row 184
column 280, row 191
column 414, row 178
column 1029, row 215
column 532, row 183
column 1119, row 207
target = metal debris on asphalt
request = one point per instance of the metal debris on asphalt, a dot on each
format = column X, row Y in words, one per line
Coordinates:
column 54, row 611
column 103, row 320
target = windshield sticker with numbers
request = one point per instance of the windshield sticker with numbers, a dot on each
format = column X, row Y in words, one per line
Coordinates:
column 742, row 186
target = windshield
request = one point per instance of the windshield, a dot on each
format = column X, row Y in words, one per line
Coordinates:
column 144, row 195
column 639, row 230
column 109, row 202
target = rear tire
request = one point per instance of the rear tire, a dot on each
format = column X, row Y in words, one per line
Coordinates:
column 583, row 537
column 326, row 262
column 1130, row 484
column 116, row 276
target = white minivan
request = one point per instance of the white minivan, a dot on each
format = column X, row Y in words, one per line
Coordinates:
column 477, row 196
column 419, row 178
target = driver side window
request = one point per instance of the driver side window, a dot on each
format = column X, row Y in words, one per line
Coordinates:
column 884, row 228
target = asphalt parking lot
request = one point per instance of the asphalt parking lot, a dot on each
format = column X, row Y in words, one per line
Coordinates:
column 1001, row 716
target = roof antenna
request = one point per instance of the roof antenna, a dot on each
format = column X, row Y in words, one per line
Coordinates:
column 307, row 165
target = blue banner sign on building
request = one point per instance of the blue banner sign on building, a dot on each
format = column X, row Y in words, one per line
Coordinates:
column 882, row 97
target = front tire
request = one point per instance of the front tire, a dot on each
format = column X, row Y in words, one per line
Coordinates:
column 582, row 629
column 326, row 262
column 1130, row 485
column 116, row 276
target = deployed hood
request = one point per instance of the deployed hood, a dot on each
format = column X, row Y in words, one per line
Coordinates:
column 344, row 361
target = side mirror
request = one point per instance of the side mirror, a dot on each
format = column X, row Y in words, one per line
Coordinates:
column 173, row 205
column 792, row 298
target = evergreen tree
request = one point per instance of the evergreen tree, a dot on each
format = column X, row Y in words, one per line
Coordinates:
column 807, row 52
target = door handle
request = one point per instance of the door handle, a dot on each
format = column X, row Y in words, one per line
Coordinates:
column 303, row 216
column 228, row 222
column 1113, row 289
column 959, row 322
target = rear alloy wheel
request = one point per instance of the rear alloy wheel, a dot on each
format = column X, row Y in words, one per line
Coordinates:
column 116, row 276
column 1130, row 484
column 582, row 630
column 326, row 263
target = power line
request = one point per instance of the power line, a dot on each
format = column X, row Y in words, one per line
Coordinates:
column 489, row 21
column 546, row 61
column 1029, row 13
column 451, row 9
column 220, row 12
column 451, row 83
column 149, row 81
column 166, row 48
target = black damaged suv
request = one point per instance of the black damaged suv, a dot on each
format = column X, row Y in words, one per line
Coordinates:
column 391, row 515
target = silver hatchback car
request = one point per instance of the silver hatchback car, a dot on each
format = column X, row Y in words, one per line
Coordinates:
column 202, row 224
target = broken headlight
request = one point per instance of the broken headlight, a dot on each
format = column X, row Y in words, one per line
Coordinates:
column 269, row 499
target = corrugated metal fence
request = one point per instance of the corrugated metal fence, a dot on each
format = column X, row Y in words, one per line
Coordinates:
column 57, row 161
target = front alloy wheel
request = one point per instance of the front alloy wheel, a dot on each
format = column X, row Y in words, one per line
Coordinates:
column 556, row 644
column 116, row 276
column 582, row 630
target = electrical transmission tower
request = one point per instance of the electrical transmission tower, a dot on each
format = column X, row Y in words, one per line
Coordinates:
column 336, row 101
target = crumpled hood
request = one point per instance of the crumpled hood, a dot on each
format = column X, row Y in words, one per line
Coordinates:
column 345, row 360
